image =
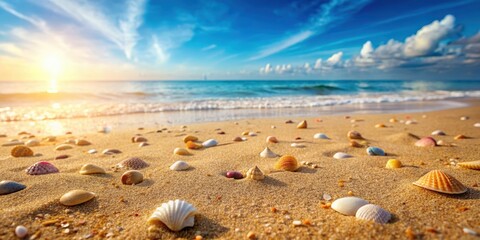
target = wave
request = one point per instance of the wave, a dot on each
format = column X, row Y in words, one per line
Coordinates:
column 319, row 87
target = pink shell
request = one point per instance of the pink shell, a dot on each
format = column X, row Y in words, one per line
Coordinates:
column 133, row 163
column 426, row 142
column 40, row 168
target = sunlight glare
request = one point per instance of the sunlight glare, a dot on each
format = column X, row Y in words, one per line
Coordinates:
column 53, row 65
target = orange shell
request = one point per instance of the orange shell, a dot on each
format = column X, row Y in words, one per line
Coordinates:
column 192, row 145
column 393, row 163
column 188, row 138
column 439, row 181
column 21, row 151
column 287, row 163
column 472, row 165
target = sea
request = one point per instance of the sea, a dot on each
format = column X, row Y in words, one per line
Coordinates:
column 123, row 103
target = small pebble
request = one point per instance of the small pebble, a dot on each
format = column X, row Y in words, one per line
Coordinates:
column 297, row 223
column 21, row 231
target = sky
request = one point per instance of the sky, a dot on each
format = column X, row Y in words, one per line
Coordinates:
column 239, row 39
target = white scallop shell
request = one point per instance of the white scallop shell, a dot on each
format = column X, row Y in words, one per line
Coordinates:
column 320, row 136
column 348, row 205
column 176, row 215
column 267, row 153
column 374, row 213
column 341, row 155
column 179, row 166
column 210, row 143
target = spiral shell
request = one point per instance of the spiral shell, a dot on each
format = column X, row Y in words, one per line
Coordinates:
column 255, row 174
column 176, row 215
column 133, row 163
column 302, row 124
column 471, row 165
column 21, row 151
column 287, row 163
column 41, row 168
column 439, row 181
column 373, row 213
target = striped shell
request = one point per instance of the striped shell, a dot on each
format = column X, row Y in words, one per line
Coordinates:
column 176, row 215
column 21, row 151
column 472, row 165
column 439, row 181
column 40, row 168
column 192, row 145
column 354, row 135
column 302, row 124
column 393, row 163
column 132, row 163
column 373, row 213
column 76, row 197
column 7, row 187
column 426, row 142
column 189, row 138
column 267, row 153
column 255, row 173
column 287, row 163
column 375, row 151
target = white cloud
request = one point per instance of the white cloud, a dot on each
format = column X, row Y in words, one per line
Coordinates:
column 209, row 47
column 170, row 39
column 335, row 59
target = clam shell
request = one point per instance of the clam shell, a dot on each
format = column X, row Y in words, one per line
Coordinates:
column 133, row 163
column 375, row 151
column 374, row 213
column 234, row 175
column 426, row 142
column 192, row 145
column 32, row 143
column 190, row 138
column 176, row 215
column 393, row 163
column 111, row 151
column 302, row 124
column 321, row 136
column 210, row 143
column 341, row 155
column 472, row 165
column 267, row 153
column 348, row 205
column 76, row 197
column 438, row 133
column 7, row 187
column 179, row 166
column 41, row 168
column 21, row 151
column 139, row 139
column 132, row 177
column 62, row 147
column 255, row 173
column 354, row 135
column 82, row 142
column 91, row 169
column 439, row 181
column 181, row 151
column 287, row 163
column 271, row 139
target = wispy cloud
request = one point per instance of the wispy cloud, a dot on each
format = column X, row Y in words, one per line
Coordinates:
column 33, row 20
column 209, row 47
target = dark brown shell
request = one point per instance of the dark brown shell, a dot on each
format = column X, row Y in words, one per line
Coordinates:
column 21, row 151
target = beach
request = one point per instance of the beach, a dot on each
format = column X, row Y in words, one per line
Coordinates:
column 268, row 209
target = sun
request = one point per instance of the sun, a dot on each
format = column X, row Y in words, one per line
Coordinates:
column 53, row 65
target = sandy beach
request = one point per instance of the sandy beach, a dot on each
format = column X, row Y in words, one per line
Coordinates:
column 267, row 209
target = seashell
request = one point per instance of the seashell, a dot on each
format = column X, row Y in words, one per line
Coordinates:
column 287, row 163
column 139, row 139
column 410, row 122
column 143, row 144
column 464, row 118
column 439, row 181
column 327, row 197
column 289, row 121
column 380, row 125
column 321, row 136
column 252, row 134
column 132, row 177
column 133, row 163
column 210, row 143
column 354, row 143
column 192, row 145
column 373, row 213
column 91, row 169
column 375, row 151
column 21, row 231
column 440, row 143
column 341, row 155
column 348, row 205
column 273, row 127
column 40, row 168
column 393, row 120
column 111, row 151
column 302, row 124
column 92, row 151
column 63, row 156
column 354, row 135
column 62, row 147
column 472, row 165
column 176, row 215
column 189, row 138
column 245, row 133
column 393, row 163
column 179, row 166
column 426, row 142
column 234, row 175
column 271, row 139
column 49, row 139
column 267, row 153
column 476, row 125
column 438, row 133
column 297, row 145
column 7, row 187
column 76, row 197
column 461, row 136
column 181, row 151
column 32, row 143
column 255, row 173
column 21, row 151
column 82, row 142
column 237, row 139
column 12, row 143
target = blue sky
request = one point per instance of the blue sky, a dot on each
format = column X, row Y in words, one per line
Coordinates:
column 238, row 39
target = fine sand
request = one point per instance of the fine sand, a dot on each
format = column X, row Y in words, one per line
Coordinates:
column 231, row 209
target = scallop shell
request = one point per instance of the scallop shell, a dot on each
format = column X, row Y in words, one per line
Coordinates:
column 375, row 151
column 189, row 138
column 176, row 215
column 62, row 147
column 341, row 155
column 7, row 187
column 111, row 151
column 133, row 163
column 32, row 143
column 321, row 136
column 287, row 163
column 354, row 135
column 139, row 139
column 472, row 165
column 271, row 139
column 439, row 181
column 348, row 205
column 76, row 197
column 41, row 168
column 132, row 177
column 438, row 133
column 374, row 213
column 82, row 142
column 179, row 166
column 21, row 151
column 255, row 173
column 234, row 175
column 181, row 151
column 210, row 143
column 267, row 153
column 192, row 145
column 91, row 169
column 426, row 142
column 393, row 163
column 302, row 124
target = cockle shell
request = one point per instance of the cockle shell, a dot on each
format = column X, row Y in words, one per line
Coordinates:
column 181, row 151
column 132, row 177
column 439, row 181
column 82, row 142
column 472, row 165
column 32, row 143
column 192, row 145
column 133, row 163
column 380, row 125
column 354, row 135
column 393, row 163
column 287, row 163
column 341, row 155
column 348, row 205
column 111, row 151
column 438, row 133
column 210, row 143
column 139, row 139
column 62, row 147
column 321, row 136
column 91, row 169
column 426, row 142
column 373, row 213
column 40, row 168
column 176, row 215
column 21, row 151
column 179, row 166
column 375, row 151
column 255, row 173
column 271, row 139
column 267, row 153
column 234, row 175
column 7, row 187
column 302, row 124
column 76, row 197
column 189, row 138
